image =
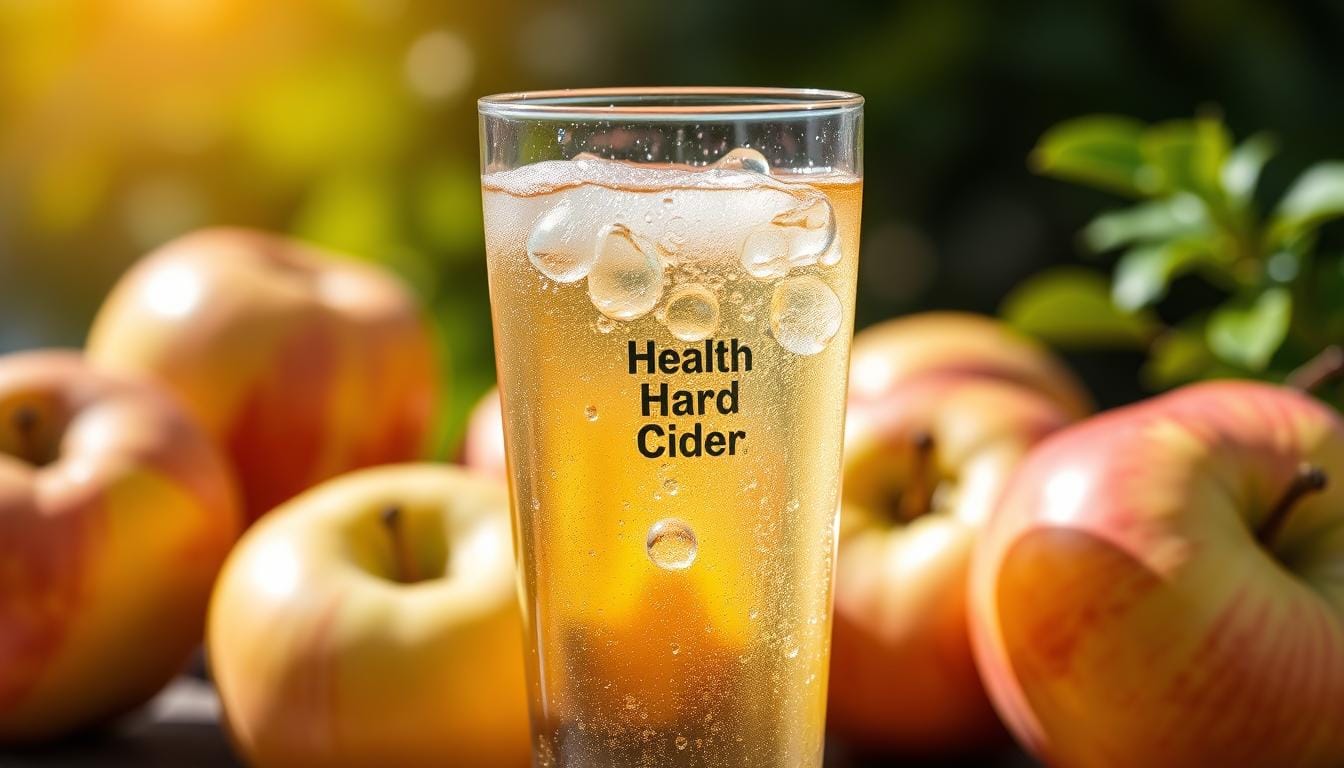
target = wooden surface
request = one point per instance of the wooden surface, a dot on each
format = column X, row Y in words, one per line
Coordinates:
column 179, row 730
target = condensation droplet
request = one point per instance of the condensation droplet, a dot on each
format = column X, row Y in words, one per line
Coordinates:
column 681, row 742
column 590, row 412
column 792, row 652
column 805, row 314
column 626, row 280
column 676, row 649
column 670, row 486
column 631, row 702
column 559, row 248
column 744, row 159
column 671, row 545
column 692, row 313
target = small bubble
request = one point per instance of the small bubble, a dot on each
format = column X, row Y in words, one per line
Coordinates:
column 671, row 545
column 744, row 159
column 648, row 218
column 681, row 742
column 805, row 314
column 626, row 280
column 631, row 702
column 754, row 614
column 676, row 649
column 590, row 412
column 559, row 248
column 605, row 324
column 670, row 486
column 692, row 313
column 792, row 652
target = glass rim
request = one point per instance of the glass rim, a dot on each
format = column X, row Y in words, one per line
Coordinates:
column 674, row 103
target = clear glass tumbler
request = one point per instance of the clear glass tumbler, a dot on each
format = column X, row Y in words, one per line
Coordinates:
column 672, row 278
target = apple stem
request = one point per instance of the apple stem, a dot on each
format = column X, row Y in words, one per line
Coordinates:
column 918, row 496
column 1325, row 367
column 25, row 420
column 1308, row 479
column 408, row 572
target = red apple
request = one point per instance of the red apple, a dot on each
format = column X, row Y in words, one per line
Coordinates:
column 1163, row 586
column 894, row 351
column 300, row 363
column 483, row 449
column 923, row 468
column 115, row 514
column 374, row 621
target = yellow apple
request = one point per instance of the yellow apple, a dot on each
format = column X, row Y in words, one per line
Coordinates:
column 374, row 621
column 923, row 468
column 301, row 364
column 1163, row 586
column 894, row 351
column 116, row 511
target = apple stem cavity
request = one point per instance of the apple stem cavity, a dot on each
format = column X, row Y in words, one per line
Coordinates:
column 918, row 497
column 407, row 570
column 1325, row 367
column 1308, row 479
column 26, row 422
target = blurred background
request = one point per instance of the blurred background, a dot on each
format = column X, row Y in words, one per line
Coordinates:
column 352, row 123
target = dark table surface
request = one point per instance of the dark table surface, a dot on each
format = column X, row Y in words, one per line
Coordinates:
column 180, row 729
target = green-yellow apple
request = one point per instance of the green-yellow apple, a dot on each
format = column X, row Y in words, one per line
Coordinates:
column 374, row 621
column 116, row 512
column 923, row 468
column 483, row 449
column 894, row 351
column 1163, row 586
column 300, row 363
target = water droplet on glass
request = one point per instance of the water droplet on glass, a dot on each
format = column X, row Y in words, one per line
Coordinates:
column 676, row 649
column 671, row 545
column 744, row 159
column 670, row 486
column 631, row 702
column 792, row 652
column 626, row 281
column 681, row 742
column 605, row 324
column 805, row 314
column 692, row 313
column 559, row 248
column 590, row 412
column 754, row 614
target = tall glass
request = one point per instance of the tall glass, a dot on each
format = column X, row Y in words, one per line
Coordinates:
column 672, row 277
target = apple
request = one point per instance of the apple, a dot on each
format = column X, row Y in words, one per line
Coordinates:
column 374, row 620
column 483, row 449
column 116, row 511
column 922, row 470
column 301, row 364
column 1163, row 586
column 890, row 352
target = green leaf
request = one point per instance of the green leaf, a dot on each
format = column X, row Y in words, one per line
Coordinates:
column 1178, row 356
column 1315, row 198
column 1176, row 216
column 1241, row 172
column 1072, row 307
column 1186, row 156
column 1143, row 274
column 1247, row 332
column 1099, row 150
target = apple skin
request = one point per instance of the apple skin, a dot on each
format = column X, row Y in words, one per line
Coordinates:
column 1125, row 613
column 893, row 351
column 323, row 658
column 483, row 449
column 116, row 512
column 301, row 364
column 903, row 677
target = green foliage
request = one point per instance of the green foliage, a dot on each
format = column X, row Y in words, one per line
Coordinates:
column 1195, row 213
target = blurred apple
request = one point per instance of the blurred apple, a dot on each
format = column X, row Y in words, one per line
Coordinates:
column 1163, row 586
column 897, row 350
column 923, row 468
column 483, row 450
column 116, row 511
column 374, row 621
column 301, row 364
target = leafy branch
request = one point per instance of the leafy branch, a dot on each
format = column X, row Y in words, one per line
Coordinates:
column 1195, row 214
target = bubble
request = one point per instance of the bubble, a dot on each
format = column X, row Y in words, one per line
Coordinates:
column 799, row 237
column 631, row 702
column 590, row 412
column 626, row 281
column 805, row 314
column 676, row 649
column 605, row 324
column 692, row 313
column 670, row 486
column 744, row 159
column 792, row 652
column 559, row 248
column 681, row 742
column 671, row 545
